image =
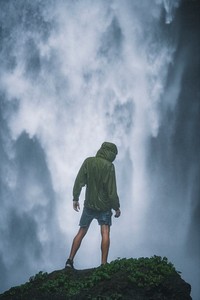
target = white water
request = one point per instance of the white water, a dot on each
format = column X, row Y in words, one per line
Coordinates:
column 84, row 72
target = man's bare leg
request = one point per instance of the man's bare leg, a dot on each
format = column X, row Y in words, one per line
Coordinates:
column 105, row 243
column 77, row 241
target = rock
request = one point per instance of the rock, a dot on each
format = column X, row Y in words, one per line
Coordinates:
column 135, row 279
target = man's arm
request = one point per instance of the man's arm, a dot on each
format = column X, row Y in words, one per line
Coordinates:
column 80, row 181
column 76, row 205
column 117, row 213
column 112, row 191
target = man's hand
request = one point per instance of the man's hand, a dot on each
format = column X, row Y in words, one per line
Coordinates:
column 117, row 213
column 76, row 205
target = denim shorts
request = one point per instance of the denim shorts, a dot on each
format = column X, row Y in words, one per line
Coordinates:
column 88, row 214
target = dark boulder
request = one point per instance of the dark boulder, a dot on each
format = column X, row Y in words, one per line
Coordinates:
column 133, row 279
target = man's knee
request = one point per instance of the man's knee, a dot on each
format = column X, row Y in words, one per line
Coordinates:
column 105, row 230
column 83, row 230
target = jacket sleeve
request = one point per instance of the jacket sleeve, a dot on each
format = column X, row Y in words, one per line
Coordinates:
column 80, row 181
column 112, row 189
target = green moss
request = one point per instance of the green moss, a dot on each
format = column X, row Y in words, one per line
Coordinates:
column 142, row 273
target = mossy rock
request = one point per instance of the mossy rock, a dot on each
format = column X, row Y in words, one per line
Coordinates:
column 136, row 279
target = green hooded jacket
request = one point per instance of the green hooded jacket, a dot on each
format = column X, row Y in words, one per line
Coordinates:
column 98, row 174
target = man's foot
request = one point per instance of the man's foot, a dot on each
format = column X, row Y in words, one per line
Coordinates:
column 104, row 264
column 69, row 264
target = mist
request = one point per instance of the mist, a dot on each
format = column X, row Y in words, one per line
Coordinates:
column 73, row 75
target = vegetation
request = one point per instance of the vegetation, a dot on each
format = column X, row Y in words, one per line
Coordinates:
column 143, row 274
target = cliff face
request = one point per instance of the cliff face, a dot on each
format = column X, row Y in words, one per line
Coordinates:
column 135, row 279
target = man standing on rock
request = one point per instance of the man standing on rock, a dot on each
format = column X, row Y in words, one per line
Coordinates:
column 98, row 174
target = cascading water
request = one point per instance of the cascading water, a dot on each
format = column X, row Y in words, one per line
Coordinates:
column 77, row 73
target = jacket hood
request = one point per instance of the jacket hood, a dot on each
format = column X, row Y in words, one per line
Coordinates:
column 107, row 151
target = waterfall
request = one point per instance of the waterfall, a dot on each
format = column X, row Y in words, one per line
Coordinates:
column 73, row 75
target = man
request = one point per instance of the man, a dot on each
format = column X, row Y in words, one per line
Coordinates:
column 98, row 174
